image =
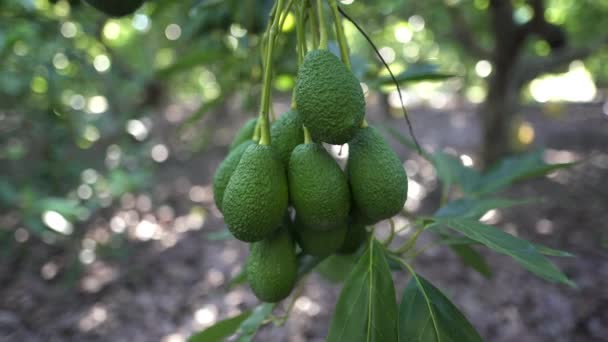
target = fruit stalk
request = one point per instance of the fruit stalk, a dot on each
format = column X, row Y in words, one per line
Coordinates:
column 307, row 138
column 265, row 103
column 322, row 28
column 342, row 42
column 314, row 24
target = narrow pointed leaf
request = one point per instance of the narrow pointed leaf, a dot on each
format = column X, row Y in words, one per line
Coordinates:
column 367, row 307
column 470, row 257
column 522, row 251
column 451, row 171
column 553, row 252
column 513, row 169
column 427, row 315
column 220, row 330
column 250, row 326
column 475, row 208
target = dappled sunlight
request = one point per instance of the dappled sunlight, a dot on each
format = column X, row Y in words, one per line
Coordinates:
column 307, row 306
column 49, row 270
column 96, row 316
column 552, row 156
column 415, row 190
column 491, row 217
column 467, row 160
column 525, row 133
column 544, row 226
column 560, row 87
column 57, row 222
column 215, row 277
column 97, row 276
column 206, row 316
column 175, row 337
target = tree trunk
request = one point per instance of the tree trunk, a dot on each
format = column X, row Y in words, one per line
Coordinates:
column 497, row 113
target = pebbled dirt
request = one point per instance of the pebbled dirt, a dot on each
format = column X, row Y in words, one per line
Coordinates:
column 171, row 282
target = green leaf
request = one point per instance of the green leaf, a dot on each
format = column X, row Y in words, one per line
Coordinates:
column 522, row 251
column 470, row 257
column 475, row 208
column 238, row 279
column 220, row 330
column 553, row 252
column 514, row 169
column 367, row 307
column 451, row 171
column 250, row 326
column 336, row 268
column 427, row 315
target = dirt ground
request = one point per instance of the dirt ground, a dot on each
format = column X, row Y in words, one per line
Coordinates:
column 170, row 280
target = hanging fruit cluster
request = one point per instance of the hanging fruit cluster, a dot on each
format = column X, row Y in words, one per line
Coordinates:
column 279, row 188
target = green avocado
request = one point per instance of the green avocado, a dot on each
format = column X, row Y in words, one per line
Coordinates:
column 286, row 133
column 272, row 266
column 116, row 8
column 255, row 199
column 320, row 242
column 318, row 188
column 329, row 98
column 356, row 235
column 225, row 170
column 244, row 134
column 377, row 178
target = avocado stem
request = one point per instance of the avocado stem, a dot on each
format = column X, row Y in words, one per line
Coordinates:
column 265, row 103
column 322, row 28
column 314, row 24
column 300, row 34
column 342, row 41
column 307, row 138
column 256, row 132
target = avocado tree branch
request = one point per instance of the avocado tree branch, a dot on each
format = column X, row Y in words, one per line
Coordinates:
column 535, row 66
column 462, row 32
column 553, row 34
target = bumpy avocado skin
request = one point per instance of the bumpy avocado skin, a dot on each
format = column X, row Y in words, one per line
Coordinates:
column 256, row 196
column 320, row 242
column 225, row 170
column 116, row 8
column 329, row 98
column 356, row 235
column 272, row 266
column 318, row 188
column 377, row 178
column 244, row 134
column 287, row 133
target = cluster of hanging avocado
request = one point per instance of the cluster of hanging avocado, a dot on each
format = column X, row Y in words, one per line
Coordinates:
column 291, row 194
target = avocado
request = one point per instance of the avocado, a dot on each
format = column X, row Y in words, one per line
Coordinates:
column 329, row 98
column 318, row 188
column 356, row 235
column 377, row 178
column 272, row 266
column 116, row 8
column 225, row 170
column 244, row 134
column 286, row 133
column 255, row 199
column 320, row 242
